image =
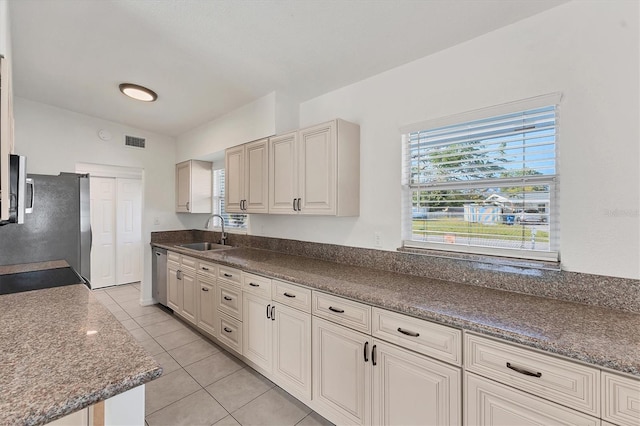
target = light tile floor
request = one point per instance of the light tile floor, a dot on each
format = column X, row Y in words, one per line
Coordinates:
column 202, row 383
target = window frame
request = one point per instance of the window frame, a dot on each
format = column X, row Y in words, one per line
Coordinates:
column 408, row 189
column 217, row 207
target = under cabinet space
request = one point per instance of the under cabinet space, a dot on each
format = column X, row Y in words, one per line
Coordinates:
column 621, row 399
column 346, row 312
column 438, row 341
column 564, row 382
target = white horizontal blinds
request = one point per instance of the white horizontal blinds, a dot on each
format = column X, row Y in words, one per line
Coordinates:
column 488, row 182
column 231, row 220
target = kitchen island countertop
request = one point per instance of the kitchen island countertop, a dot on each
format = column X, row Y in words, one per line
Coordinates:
column 604, row 337
column 61, row 350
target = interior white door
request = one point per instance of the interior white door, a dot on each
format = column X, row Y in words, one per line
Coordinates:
column 129, row 231
column 103, row 250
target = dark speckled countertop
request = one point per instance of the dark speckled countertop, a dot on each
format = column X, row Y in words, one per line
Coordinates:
column 61, row 350
column 600, row 336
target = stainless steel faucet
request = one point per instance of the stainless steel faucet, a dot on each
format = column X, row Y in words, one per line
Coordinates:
column 223, row 238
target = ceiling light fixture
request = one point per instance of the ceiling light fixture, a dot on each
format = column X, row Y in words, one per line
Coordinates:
column 140, row 93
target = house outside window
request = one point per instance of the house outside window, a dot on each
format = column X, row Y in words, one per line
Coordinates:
column 231, row 220
column 484, row 182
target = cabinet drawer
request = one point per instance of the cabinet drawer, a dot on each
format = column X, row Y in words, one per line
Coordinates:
column 230, row 332
column 621, row 399
column 256, row 284
column 558, row 380
column 489, row 403
column 232, row 275
column 229, row 300
column 346, row 312
column 291, row 295
column 210, row 270
column 189, row 262
column 438, row 341
column 173, row 256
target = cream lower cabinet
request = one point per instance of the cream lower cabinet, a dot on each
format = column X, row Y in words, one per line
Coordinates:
column 257, row 330
column 411, row 389
column 277, row 339
column 341, row 373
column 292, row 351
column 207, row 305
column 182, row 290
column 488, row 403
column 174, row 286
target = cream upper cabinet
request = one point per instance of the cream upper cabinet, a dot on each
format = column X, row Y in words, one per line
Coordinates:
column 6, row 134
column 194, row 186
column 316, row 170
column 246, row 178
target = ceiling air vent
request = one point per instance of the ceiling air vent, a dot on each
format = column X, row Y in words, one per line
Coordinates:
column 134, row 141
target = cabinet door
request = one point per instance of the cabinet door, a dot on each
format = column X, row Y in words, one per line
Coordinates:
column 489, row 403
column 256, row 178
column 174, row 287
column 341, row 376
column 257, row 329
column 234, row 179
column 283, row 174
column 411, row 389
column 190, row 297
column 317, row 161
column 292, row 351
column 183, row 187
column 207, row 305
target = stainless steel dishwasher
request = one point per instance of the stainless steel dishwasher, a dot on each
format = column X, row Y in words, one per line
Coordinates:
column 159, row 275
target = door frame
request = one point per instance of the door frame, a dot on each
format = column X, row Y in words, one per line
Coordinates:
column 113, row 171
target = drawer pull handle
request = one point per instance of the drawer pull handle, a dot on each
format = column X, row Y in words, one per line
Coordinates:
column 228, row 298
column 205, row 289
column 269, row 311
column 366, row 351
column 254, row 285
column 523, row 371
column 228, row 330
column 340, row 311
column 273, row 313
column 408, row 333
column 289, row 295
column 227, row 275
column 373, row 355
column 204, row 268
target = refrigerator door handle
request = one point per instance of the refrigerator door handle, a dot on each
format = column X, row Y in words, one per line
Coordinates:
column 29, row 208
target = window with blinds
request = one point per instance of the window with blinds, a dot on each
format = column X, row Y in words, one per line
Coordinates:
column 487, row 185
column 231, row 220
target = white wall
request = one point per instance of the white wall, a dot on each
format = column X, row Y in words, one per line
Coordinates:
column 54, row 140
column 271, row 114
column 587, row 50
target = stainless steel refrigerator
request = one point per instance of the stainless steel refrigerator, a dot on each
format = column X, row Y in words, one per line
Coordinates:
column 58, row 227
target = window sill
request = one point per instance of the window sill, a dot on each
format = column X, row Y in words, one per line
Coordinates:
column 484, row 258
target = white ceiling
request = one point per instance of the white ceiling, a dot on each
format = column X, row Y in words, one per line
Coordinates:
column 206, row 58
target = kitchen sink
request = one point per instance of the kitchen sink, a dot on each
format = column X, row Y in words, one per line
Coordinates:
column 205, row 246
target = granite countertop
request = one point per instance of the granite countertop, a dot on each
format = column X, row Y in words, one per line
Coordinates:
column 61, row 350
column 604, row 337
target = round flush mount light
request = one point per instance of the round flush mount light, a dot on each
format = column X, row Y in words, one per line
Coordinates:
column 138, row 92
